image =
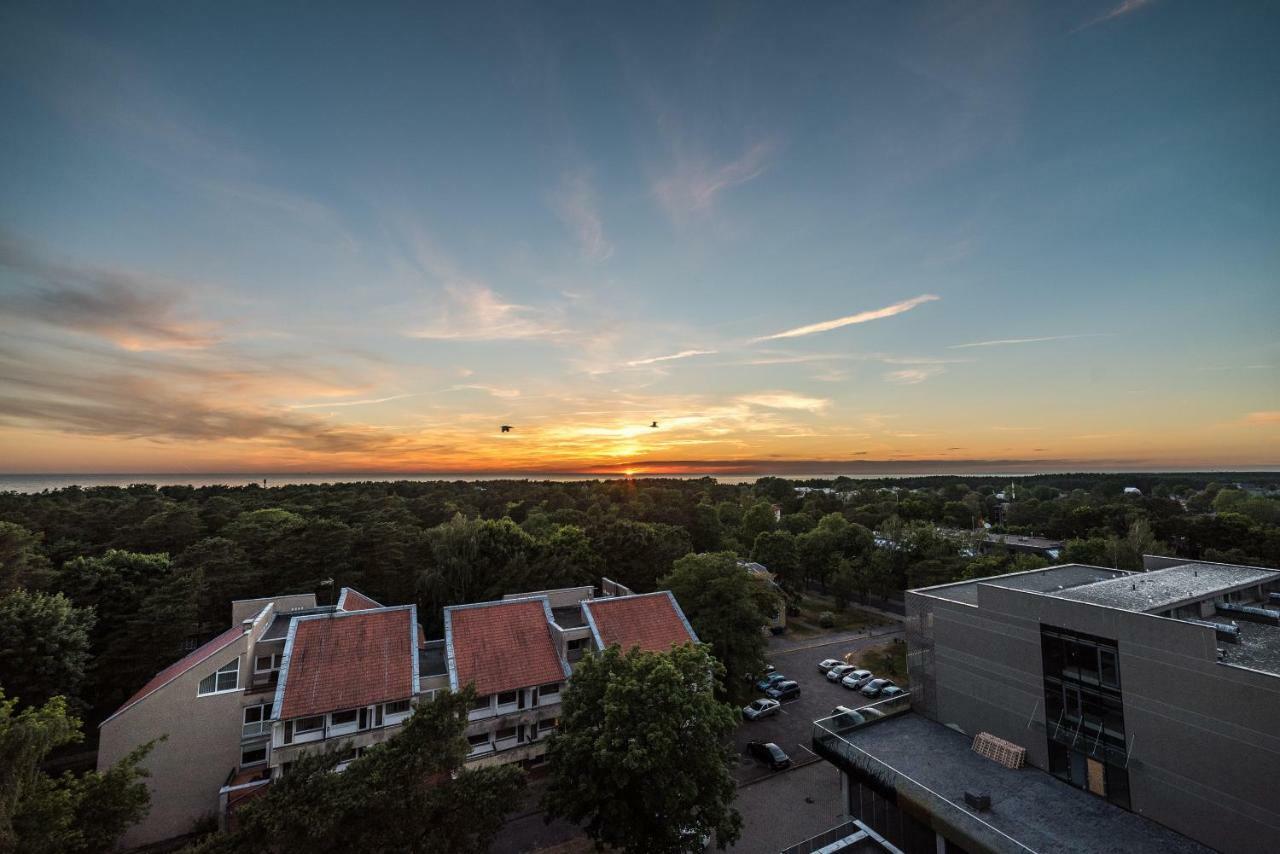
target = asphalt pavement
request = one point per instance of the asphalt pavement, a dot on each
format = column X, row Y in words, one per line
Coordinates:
column 791, row 727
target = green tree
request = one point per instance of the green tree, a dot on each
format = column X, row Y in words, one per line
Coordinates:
column 776, row 551
column 408, row 794
column 145, row 609
column 222, row 573
column 642, row 756
column 40, row 814
column 21, row 561
column 44, row 645
column 757, row 519
column 639, row 553
column 727, row 608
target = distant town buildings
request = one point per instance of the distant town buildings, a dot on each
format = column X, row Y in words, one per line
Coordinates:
column 291, row 677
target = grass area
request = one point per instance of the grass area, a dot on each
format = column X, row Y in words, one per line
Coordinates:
column 885, row 660
column 813, row 605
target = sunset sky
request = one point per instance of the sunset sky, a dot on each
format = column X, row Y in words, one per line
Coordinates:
column 825, row 237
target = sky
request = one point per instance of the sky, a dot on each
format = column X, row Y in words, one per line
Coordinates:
column 816, row 238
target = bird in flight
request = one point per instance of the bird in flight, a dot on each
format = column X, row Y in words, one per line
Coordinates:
column 506, row 428
column 654, row 424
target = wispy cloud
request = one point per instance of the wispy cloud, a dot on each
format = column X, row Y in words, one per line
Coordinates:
column 861, row 317
column 493, row 391
column 683, row 354
column 1271, row 417
column 1001, row 342
column 1123, row 9
column 575, row 203
column 912, row 376
column 473, row 312
column 786, row 400
column 692, row 188
column 365, row 402
column 133, row 310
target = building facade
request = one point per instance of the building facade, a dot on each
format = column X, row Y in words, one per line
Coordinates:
column 1157, row 692
column 291, row 677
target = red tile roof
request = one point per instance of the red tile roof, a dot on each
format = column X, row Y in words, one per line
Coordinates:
column 502, row 646
column 348, row 661
column 353, row 600
column 182, row 665
column 650, row 621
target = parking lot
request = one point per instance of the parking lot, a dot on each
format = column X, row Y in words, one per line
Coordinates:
column 790, row 729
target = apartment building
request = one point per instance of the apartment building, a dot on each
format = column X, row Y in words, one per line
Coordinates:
column 1153, row 694
column 291, row 677
column 517, row 653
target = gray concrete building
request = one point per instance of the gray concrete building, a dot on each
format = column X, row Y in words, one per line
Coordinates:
column 1158, row 691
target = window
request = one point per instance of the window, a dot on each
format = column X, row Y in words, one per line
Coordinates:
column 266, row 663
column 253, row 755
column 305, row 725
column 546, row 724
column 481, row 704
column 399, row 707
column 507, row 698
column 479, row 743
column 551, row 690
column 1107, row 668
column 504, row 734
column 257, row 720
column 342, row 722
column 227, row 678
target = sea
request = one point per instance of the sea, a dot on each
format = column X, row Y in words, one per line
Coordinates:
column 34, row 483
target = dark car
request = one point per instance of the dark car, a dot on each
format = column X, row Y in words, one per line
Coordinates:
column 769, row 753
column 768, row 682
column 875, row 686
column 784, row 690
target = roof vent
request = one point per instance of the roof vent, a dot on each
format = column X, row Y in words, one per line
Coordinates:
column 980, row 801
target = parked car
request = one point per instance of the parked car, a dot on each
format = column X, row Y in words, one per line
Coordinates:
column 842, row 717
column 855, row 679
column 827, row 663
column 784, row 690
column 875, row 686
column 770, row 680
column 762, row 708
column 837, row 673
column 891, row 691
column 769, row 753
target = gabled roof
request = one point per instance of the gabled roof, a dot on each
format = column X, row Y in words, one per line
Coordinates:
column 651, row 621
column 501, row 646
column 354, row 600
column 346, row 660
column 182, row 665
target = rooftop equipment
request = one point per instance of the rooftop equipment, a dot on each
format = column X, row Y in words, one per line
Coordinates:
column 1255, row 612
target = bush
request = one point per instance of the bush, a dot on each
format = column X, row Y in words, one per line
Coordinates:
column 826, row 619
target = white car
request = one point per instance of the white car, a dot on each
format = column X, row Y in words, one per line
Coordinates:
column 762, row 708
column 837, row 673
column 827, row 663
column 855, row 679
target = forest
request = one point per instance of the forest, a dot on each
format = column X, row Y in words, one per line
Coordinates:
column 100, row 588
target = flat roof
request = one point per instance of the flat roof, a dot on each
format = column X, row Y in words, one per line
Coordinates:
column 569, row 617
column 279, row 627
column 1019, row 540
column 1048, row 580
column 1165, row 588
column 1028, row 806
column 1259, row 646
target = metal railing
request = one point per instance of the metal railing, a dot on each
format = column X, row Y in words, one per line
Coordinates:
column 833, row 737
